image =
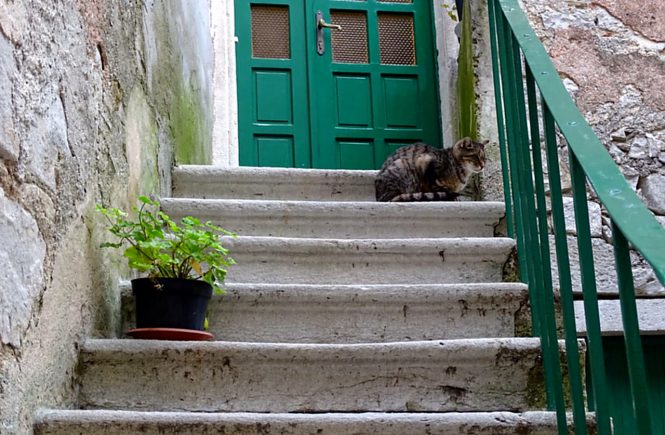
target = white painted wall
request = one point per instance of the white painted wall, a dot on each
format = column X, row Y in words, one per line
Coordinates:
column 225, row 95
column 447, row 47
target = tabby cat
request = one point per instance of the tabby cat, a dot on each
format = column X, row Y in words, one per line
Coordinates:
column 420, row 172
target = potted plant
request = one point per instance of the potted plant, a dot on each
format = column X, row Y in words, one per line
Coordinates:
column 184, row 264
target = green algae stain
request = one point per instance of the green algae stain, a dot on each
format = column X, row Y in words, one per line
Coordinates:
column 192, row 141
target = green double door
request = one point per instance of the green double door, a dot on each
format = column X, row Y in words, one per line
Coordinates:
column 334, row 83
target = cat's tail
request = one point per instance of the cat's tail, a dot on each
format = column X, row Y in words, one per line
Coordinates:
column 425, row 196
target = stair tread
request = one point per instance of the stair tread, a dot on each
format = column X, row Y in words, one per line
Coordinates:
column 362, row 313
column 401, row 244
column 112, row 348
column 275, row 183
column 367, row 261
column 649, row 316
column 341, row 219
column 248, row 171
column 369, row 291
column 495, row 423
column 398, row 292
column 434, row 208
column 443, row 375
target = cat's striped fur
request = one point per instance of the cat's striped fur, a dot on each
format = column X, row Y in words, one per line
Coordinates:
column 420, row 172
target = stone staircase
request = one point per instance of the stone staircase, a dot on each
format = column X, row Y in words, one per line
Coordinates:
column 342, row 316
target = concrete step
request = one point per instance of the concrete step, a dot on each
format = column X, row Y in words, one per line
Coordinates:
column 649, row 315
column 362, row 261
column 424, row 376
column 99, row 422
column 289, row 313
column 273, row 183
column 355, row 220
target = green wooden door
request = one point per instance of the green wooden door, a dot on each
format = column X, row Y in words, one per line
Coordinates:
column 312, row 96
column 273, row 108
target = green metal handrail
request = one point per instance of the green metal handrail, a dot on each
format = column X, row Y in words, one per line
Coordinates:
column 523, row 72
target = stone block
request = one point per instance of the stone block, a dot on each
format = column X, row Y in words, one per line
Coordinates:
column 649, row 314
column 13, row 20
column 606, row 279
column 595, row 217
column 653, row 190
column 45, row 141
column 21, row 254
column 9, row 147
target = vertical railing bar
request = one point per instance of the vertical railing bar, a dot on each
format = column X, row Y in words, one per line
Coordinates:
column 511, row 110
column 590, row 294
column 500, row 120
column 634, row 350
column 554, row 177
column 505, row 40
column 567, row 304
column 508, row 99
column 549, row 339
column 509, row 106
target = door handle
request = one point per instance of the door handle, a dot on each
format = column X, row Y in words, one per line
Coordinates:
column 320, row 25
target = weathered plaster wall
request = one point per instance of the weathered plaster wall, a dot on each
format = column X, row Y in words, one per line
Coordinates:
column 96, row 99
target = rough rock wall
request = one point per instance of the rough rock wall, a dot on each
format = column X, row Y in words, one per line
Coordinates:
column 611, row 57
column 96, row 98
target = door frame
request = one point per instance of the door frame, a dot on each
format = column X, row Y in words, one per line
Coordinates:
column 225, row 91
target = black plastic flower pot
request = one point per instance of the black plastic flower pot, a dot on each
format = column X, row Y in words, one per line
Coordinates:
column 171, row 302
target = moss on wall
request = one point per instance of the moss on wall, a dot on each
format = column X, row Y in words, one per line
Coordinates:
column 104, row 94
column 178, row 59
column 141, row 146
column 192, row 140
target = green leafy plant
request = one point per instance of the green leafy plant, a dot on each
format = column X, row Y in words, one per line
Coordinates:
column 451, row 10
column 156, row 245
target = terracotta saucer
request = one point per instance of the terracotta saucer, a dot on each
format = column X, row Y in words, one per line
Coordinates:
column 169, row 334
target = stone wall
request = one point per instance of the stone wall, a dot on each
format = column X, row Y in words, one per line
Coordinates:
column 611, row 57
column 96, row 99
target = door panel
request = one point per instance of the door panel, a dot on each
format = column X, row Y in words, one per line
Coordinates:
column 354, row 100
column 368, row 89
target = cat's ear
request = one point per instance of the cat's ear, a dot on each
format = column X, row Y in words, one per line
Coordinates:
column 463, row 143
